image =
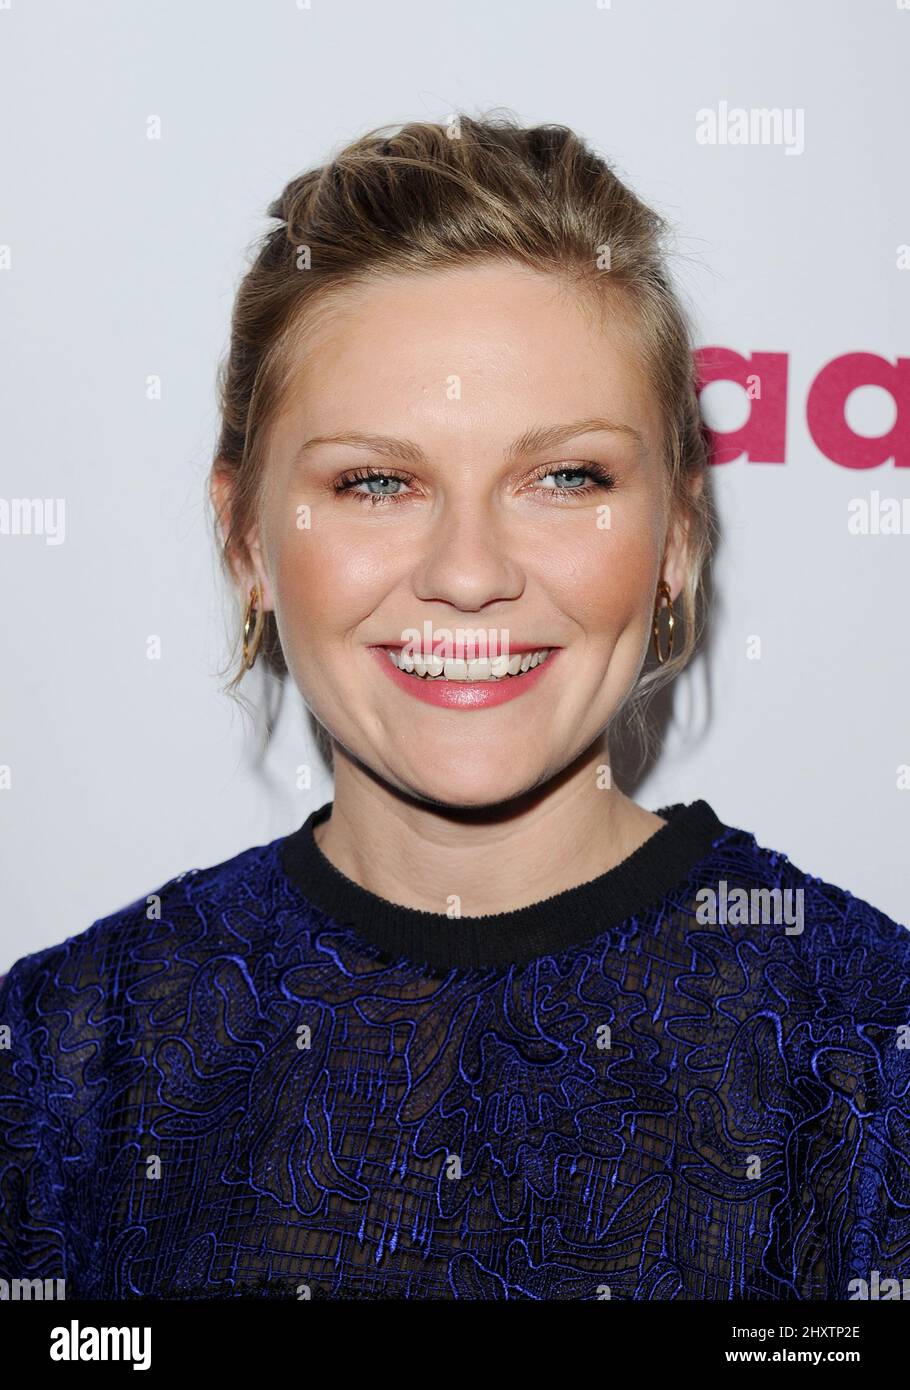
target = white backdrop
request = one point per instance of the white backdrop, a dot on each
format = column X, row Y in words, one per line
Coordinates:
column 119, row 259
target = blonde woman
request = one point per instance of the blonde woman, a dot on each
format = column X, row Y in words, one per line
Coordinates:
column 482, row 1027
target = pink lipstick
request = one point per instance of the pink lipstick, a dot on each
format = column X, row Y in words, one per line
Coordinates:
column 464, row 694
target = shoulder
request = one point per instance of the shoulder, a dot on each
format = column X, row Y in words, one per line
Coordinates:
column 843, row 938
column 196, row 905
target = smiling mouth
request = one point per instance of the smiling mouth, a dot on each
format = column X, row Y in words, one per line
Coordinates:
column 492, row 669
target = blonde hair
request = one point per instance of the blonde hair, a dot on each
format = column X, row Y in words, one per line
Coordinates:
column 427, row 197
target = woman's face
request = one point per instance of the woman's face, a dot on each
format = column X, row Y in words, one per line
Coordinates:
column 474, row 396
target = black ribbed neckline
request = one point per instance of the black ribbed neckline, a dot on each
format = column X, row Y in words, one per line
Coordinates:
column 554, row 924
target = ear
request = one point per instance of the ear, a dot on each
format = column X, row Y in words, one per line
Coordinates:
column 676, row 553
column 252, row 566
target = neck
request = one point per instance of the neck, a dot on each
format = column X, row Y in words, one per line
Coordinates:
column 421, row 855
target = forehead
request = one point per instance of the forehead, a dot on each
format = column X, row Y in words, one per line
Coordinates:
column 506, row 342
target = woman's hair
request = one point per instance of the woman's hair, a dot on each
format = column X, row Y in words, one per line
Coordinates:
column 430, row 197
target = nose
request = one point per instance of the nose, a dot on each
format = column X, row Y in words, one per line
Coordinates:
column 467, row 559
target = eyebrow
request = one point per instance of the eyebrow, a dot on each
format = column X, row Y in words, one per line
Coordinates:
column 534, row 440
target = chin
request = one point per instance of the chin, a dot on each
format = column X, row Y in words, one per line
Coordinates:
column 463, row 792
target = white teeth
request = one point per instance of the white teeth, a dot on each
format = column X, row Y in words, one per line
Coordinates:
column 454, row 669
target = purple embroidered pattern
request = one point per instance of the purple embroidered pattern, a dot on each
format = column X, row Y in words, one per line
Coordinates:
column 245, row 1096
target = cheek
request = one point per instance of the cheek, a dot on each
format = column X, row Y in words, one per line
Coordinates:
column 324, row 584
column 603, row 577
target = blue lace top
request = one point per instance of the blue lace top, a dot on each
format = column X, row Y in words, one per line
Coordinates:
column 264, row 1080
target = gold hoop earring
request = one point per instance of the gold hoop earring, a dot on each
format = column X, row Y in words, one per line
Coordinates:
column 251, row 648
column 663, row 591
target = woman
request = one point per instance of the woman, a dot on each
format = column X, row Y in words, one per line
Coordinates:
column 482, row 1027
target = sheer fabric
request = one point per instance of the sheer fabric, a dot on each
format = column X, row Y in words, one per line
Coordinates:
column 246, row 1097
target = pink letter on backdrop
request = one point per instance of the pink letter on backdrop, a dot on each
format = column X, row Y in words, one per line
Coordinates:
column 763, row 438
column 825, row 410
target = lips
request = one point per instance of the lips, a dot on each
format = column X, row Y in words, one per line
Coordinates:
column 459, row 691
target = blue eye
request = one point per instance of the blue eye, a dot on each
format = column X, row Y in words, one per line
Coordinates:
column 351, row 483
column 566, row 473
column 383, row 481
column 601, row 479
